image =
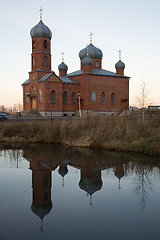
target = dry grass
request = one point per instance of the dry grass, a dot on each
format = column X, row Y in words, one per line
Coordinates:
column 125, row 133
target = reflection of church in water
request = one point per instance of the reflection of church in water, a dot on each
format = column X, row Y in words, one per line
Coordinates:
column 90, row 179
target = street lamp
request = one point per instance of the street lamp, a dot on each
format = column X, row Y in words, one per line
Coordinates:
column 79, row 102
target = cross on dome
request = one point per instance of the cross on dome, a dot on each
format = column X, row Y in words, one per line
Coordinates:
column 40, row 13
column 91, row 34
column 120, row 54
column 62, row 56
column 87, row 49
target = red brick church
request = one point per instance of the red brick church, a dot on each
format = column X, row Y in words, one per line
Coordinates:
column 87, row 91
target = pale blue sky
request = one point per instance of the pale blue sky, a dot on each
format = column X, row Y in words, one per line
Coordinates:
column 132, row 26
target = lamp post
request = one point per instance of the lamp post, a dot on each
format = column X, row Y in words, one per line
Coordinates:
column 79, row 102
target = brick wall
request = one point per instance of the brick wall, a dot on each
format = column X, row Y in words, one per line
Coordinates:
column 39, row 52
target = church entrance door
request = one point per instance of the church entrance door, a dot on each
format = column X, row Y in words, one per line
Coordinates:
column 82, row 104
column 34, row 103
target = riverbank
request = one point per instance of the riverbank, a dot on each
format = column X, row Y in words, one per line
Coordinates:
column 122, row 133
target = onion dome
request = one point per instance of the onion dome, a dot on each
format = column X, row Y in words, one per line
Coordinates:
column 62, row 66
column 119, row 175
column 41, row 30
column 87, row 61
column 63, row 172
column 93, row 52
column 119, row 65
column 90, row 188
column 119, row 172
column 41, row 210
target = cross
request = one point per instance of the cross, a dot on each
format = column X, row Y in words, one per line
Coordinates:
column 40, row 13
column 62, row 56
column 87, row 49
column 120, row 54
column 91, row 34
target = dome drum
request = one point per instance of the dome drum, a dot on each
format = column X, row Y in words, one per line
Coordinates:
column 120, row 66
column 63, row 68
column 87, row 64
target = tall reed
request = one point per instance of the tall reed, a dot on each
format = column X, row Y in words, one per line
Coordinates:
column 127, row 133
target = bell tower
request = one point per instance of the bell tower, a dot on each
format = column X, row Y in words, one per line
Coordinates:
column 41, row 47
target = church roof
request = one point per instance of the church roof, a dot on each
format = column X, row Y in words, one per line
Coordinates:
column 64, row 79
column 45, row 77
column 67, row 78
column 78, row 72
column 26, row 82
column 96, row 71
column 105, row 73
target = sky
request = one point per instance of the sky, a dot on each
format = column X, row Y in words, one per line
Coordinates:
column 130, row 26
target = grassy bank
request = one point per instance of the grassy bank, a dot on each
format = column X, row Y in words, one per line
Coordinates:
column 123, row 133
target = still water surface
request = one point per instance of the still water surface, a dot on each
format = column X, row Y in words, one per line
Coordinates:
column 64, row 193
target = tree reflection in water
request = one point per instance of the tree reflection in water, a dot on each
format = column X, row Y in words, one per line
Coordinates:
column 142, row 184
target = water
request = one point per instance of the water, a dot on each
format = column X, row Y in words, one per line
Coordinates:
column 64, row 193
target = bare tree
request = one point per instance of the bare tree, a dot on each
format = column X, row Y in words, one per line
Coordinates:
column 143, row 184
column 142, row 98
column 2, row 108
column 17, row 107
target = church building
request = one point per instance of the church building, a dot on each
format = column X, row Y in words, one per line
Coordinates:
column 90, row 90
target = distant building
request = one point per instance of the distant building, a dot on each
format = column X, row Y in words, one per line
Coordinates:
column 89, row 90
column 154, row 108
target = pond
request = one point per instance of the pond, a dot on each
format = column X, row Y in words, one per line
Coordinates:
column 57, row 193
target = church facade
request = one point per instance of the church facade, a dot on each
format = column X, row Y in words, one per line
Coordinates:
column 88, row 91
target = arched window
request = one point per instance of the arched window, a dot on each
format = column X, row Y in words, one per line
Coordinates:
column 45, row 43
column 33, row 61
column 65, row 98
column 93, row 97
column 103, row 98
column 112, row 98
column 53, row 97
column 40, row 96
column 27, row 97
column 33, row 89
column 45, row 61
column 33, row 44
column 73, row 98
column 97, row 64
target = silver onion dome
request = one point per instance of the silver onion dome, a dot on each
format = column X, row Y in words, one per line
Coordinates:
column 41, row 30
column 41, row 210
column 93, row 52
column 87, row 61
column 62, row 66
column 90, row 188
column 119, row 64
column 63, row 172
